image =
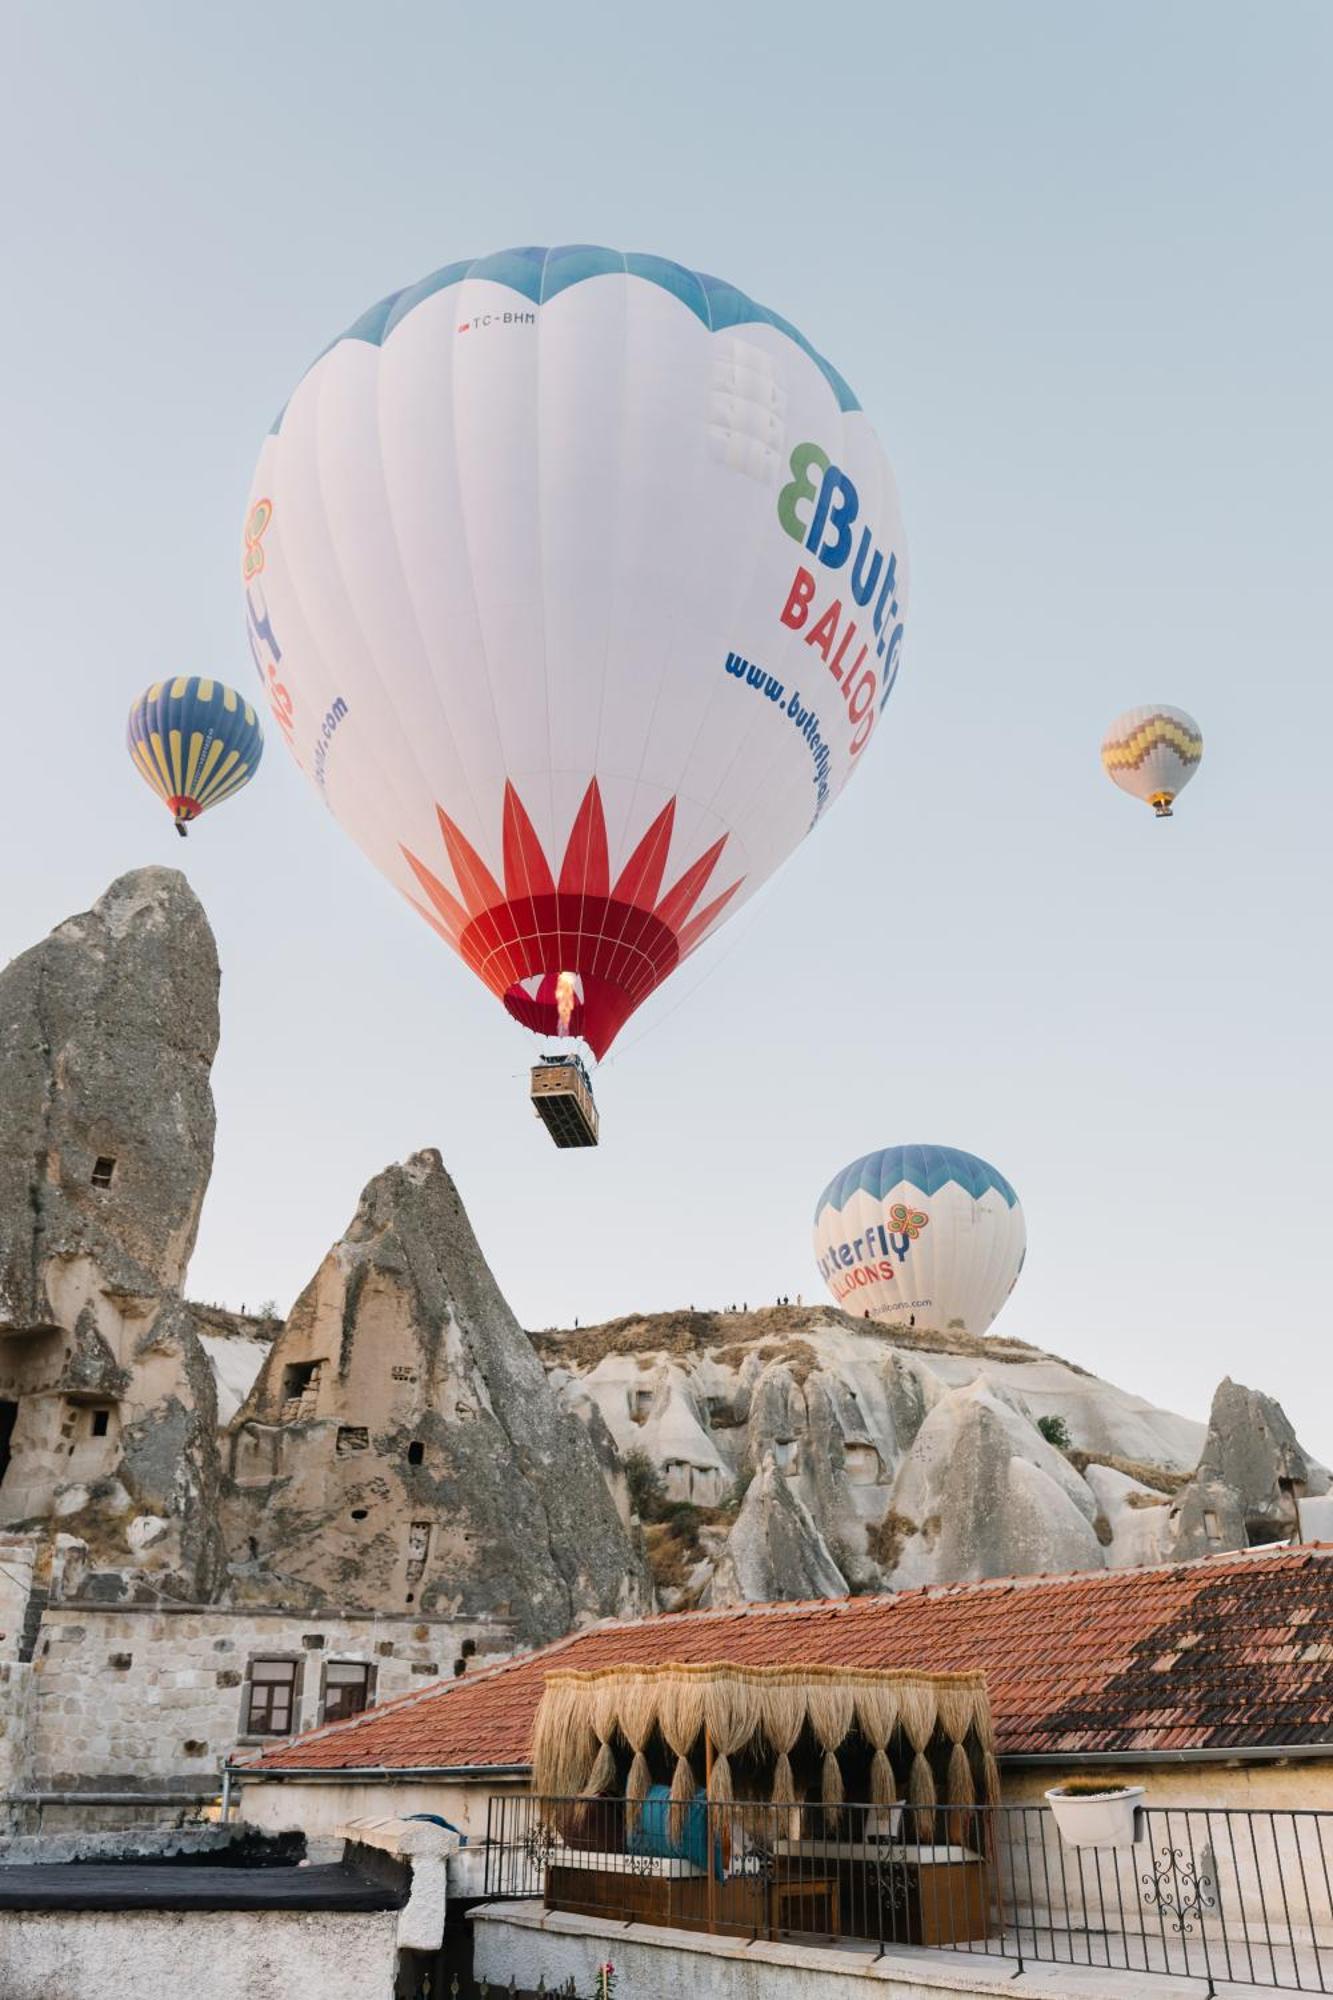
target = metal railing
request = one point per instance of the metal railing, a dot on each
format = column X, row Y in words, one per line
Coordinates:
column 1230, row 1897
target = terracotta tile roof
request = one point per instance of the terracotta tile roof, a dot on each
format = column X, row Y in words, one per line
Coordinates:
column 1235, row 1652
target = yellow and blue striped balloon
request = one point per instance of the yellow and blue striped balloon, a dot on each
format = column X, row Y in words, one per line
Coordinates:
column 195, row 741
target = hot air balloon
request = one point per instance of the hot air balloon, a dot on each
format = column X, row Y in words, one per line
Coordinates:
column 1153, row 753
column 576, row 582
column 921, row 1234
column 195, row 742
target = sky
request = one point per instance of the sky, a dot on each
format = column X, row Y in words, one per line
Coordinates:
column 1076, row 262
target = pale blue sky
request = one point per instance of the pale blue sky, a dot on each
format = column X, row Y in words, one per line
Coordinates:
column 1076, row 262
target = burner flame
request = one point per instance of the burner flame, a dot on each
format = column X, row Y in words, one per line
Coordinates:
column 566, row 993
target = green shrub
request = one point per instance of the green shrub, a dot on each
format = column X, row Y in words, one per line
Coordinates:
column 1055, row 1431
column 646, row 1491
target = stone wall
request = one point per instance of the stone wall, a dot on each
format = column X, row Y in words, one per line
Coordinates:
column 132, row 1698
column 237, row 1954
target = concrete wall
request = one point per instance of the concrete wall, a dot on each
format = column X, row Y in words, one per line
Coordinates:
column 149, row 1693
column 1268, row 1876
column 1303, row 1785
column 519, row 1940
column 319, row 1810
column 234, row 1954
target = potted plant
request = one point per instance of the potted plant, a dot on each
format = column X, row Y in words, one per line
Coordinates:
column 1096, row 1812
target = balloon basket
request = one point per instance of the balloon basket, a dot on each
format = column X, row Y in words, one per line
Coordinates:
column 562, row 1098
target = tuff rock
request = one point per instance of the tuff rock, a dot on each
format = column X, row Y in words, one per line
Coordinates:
column 107, row 1034
column 1251, row 1474
column 911, row 1458
column 774, row 1550
column 402, row 1446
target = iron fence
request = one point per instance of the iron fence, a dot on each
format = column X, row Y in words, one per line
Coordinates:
column 1229, row 1897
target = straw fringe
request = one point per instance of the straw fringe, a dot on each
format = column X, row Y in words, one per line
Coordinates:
column 918, row 1708
column 731, row 1719
column 831, row 1788
column 921, row 1796
column 720, row 1789
column 784, row 1785
column 637, row 1708
column 830, row 1706
column 782, row 1714
column 636, row 1790
column 732, row 1706
column 602, row 1777
column 876, row 1711
column 563, row 1743
column 680, row 1710
column 990, row 1778
column 683, row 1789
column 957, row 1707
column 639, row 1782
column 581, row 1714
column 603, row 1710
column 883, row 1786
column 962, row 1785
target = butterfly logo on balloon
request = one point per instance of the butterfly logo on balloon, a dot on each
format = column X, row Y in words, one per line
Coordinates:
column 256, row 521
column 905, row 1221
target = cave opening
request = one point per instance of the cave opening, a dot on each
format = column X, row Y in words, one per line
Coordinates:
column 8, row 1418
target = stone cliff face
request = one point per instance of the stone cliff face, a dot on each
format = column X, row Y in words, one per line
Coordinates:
column 1249, row 1480
column 107, row 1411
column 794, row 1451
column 402, row 1447
column 401, row 1444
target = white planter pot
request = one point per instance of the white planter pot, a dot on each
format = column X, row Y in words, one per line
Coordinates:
column 1097, row 1822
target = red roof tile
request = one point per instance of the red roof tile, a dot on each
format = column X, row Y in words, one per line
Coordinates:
column 1191, row 1656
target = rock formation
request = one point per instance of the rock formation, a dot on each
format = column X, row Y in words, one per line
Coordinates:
column 774, row 1550
column 1249, row 1479
column 402, row 1446
column 907, row 1458
column 107, row 1411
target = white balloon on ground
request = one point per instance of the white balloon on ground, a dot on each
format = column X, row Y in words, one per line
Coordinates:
column 921, row 1234
column 577, row 584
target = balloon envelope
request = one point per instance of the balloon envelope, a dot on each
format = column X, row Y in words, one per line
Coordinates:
column 576, row 581
column 921, row 1232
column 1152, row 753
column 195, row 741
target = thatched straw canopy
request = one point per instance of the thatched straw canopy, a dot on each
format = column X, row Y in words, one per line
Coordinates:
column 585, row 1719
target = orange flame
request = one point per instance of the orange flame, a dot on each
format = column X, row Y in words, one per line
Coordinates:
column 565, row 996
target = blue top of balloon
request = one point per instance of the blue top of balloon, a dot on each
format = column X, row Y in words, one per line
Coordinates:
column 928, row 1168
column 539, row 274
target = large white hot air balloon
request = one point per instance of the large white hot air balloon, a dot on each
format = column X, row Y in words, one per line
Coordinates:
column 1152, row 753
column 921, row 1233
column 576, row 581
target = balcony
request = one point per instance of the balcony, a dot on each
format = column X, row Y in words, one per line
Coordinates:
column 1204, row 1900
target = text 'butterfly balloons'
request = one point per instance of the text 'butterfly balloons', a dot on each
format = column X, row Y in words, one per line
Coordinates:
column 923, row 1234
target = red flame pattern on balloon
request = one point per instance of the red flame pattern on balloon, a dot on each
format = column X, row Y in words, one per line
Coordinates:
column 621, row 938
